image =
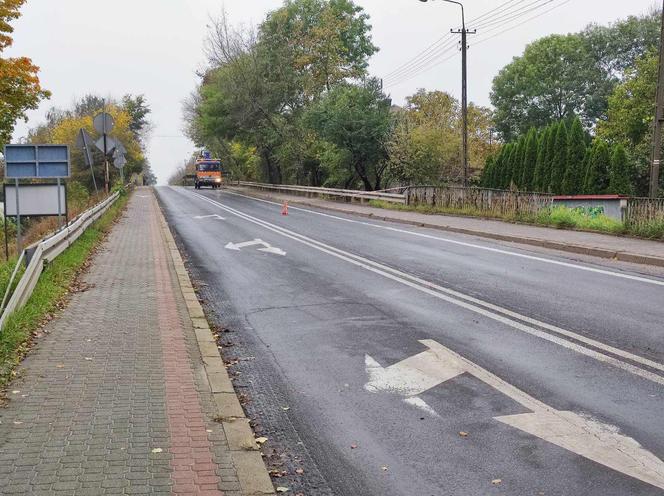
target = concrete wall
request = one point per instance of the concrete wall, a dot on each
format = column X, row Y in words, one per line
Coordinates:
column 611, row 206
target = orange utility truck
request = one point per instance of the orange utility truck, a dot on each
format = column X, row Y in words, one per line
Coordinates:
column 208, row 172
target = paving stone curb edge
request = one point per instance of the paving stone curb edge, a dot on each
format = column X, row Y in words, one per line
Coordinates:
column 621, row 256
column 247, row 458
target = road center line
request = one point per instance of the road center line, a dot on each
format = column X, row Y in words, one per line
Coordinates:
column 468, row 245
column 485, row 309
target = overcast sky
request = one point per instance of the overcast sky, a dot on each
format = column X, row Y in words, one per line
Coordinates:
column 154, row 47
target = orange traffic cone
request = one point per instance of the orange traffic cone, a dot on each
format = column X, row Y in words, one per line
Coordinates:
column 284, row 208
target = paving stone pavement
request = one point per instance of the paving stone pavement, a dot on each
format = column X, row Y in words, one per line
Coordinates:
column 110, row 401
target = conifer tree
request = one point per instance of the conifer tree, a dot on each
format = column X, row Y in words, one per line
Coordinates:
column 573, row 180
column 529, row 161
column 597, row 179
column 541, row 155
column 548, row 159
column 559, row 163
column 620, row 176
column 517, row 165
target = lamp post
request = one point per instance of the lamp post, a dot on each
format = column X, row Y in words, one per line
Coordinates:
column 464, row 91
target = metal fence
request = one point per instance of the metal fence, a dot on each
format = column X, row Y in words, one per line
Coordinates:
column 43, row 251
column 642, row 211
column 311, row 191
column 489, row 201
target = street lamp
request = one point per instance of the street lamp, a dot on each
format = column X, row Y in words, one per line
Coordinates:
column 464, row 85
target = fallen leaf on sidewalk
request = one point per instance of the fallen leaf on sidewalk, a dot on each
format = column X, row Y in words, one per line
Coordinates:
column 384, row 468
column 157, row 450
column 353, row 446
column 495, row 482
column 463, row 434
column 88, row 359
column 261, row 440
column 17, row 422
column 15, row 391
column 282, row 489
column 285, row 408
column 299, row 471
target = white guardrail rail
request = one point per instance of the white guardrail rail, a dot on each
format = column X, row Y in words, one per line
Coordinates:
column 47, row 250
column 349, row 194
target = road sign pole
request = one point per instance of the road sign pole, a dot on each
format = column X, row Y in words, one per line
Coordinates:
column 19, row 244
column 59, row 207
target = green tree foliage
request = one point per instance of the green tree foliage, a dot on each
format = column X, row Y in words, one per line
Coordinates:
column 425, row 142
column 630, row 117
column 356, row 119
column 261, row 84
column 529, row 161
column 559, row 76
column 620, row 181
column 559, row 162
column 539, row 174
column 550, row 82
column 573, row 180
column 597, row 175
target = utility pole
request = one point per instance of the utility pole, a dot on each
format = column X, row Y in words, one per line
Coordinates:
column 464, row 85
column 464, row 92
column 659, row 119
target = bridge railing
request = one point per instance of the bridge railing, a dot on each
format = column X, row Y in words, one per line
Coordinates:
column 311, row 191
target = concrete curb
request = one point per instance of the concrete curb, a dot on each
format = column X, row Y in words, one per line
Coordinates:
column 622, row 256
column 247, row 459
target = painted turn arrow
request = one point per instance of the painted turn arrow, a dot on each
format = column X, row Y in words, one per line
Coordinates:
column 267, row 248
column 214, row 216
column 576, row 433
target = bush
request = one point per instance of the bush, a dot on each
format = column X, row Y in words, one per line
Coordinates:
column 77, row 196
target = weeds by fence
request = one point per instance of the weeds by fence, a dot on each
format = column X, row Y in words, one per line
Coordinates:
column 492, row 202
column 645, row 217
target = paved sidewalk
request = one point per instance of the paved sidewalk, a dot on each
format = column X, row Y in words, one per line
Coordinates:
column 586, row 243
column 111, row 400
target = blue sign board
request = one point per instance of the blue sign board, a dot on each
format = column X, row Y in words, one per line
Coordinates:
column 36, row 161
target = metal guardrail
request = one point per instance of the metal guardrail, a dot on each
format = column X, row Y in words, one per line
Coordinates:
column 47, row 250
column 348, row 194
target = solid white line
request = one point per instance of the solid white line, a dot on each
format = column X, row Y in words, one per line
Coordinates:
column 468, row 245
column 471, row 304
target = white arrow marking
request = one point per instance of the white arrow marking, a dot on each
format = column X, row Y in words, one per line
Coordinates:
column 215, row 216
column 581, row 435
column 267, row 248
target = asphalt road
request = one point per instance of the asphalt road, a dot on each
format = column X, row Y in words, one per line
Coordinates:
column 390, row 360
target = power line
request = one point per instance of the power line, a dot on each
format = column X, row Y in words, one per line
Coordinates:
column 482, row 40
column 431, row 62
column 507, row 17
column 422, row 65
column 427, row 52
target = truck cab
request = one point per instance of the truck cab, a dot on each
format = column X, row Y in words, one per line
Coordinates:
column 208, row 172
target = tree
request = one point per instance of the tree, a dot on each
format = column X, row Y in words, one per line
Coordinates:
column 560, row 76
column 506, row 169
column 620, row 176
column 356, row 119
column 20, row 89
column 529, row 161
column 551, row 81
column 539, row 174
column 559, row 162
column 597, row 176
column 66, row 127
column 576, row 151
column 550, row 153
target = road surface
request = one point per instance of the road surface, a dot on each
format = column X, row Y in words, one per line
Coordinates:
column 383, row 360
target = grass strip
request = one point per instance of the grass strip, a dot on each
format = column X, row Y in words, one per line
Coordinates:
column 559, row 217
column 50, row 291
